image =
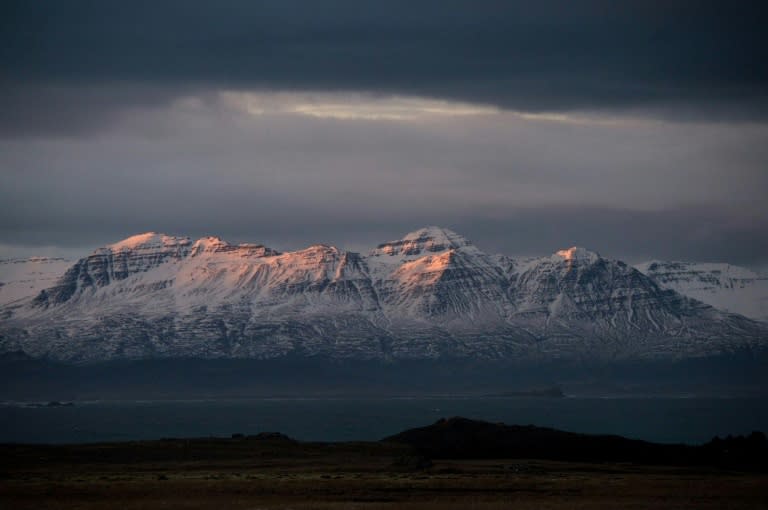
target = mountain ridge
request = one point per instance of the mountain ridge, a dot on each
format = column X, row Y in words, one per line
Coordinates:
column 430, row 294
column 731, row 288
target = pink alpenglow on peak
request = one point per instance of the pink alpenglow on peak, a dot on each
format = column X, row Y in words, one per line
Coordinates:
column 430, row 294
column 147, row 240
column 576, row 254
column 209, row 244
column 438, row 234
column 212, row 244
column 424, row 241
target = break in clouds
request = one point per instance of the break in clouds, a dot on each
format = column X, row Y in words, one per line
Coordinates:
column 635, row 130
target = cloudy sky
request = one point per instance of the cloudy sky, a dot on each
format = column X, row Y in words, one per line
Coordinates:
column 637, row 129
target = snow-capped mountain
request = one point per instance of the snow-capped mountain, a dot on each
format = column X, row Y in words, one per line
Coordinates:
column 435, row 272
column 430, row 294
column 730, row 288
column 610, row 308
column 25, row 278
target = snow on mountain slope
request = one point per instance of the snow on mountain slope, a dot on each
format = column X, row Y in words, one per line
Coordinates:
column 423, row 242
column 436, row 272
column 578, row 296
column 25, row 278
column 201, row 299
column 430, row 294
column 115, row 262
column 183, row 275
column 731, row 288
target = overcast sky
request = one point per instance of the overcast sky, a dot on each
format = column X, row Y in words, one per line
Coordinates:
column 636, row 129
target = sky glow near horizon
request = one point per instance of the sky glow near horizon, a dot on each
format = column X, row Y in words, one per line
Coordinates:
column 362, row 106
column 348, row 106
column 637, row 135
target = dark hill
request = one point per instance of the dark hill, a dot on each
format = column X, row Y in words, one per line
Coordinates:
column 462, row 438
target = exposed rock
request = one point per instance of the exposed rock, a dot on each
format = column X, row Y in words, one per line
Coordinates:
column 432, row 294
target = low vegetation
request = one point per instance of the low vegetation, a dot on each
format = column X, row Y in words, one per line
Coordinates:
column 271, row 471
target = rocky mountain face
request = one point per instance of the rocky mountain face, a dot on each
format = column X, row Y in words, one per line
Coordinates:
column 731, row 288
column 431, row 294
column 114, row 263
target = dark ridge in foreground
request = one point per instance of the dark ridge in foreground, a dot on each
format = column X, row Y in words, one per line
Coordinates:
column 272, row 471
column 462, row 438
column 454, row 438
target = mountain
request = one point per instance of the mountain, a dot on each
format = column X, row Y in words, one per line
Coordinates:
column 731, row 288
column 431, row 294
column 611, row 309
column 25, row 278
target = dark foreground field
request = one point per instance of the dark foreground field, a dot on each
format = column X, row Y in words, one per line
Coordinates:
column 274, row 472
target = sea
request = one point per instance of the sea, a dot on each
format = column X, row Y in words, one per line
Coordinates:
column 683, row 419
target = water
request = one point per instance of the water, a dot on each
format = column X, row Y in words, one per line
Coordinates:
column 670, row 420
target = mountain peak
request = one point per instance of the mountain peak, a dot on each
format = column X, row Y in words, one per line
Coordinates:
column 576, row 253
column 429, row 295
column 216, row 245
column 147, row 240
column 423, row 241
column 435, row 233
column 208, row 244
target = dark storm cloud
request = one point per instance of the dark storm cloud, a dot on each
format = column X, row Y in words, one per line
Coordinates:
column 72, row 111
column 682, row 58
column 113, row 121
column 636, row 191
